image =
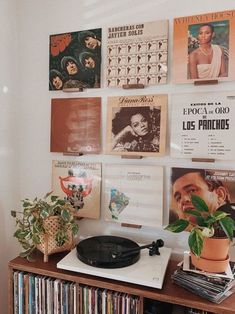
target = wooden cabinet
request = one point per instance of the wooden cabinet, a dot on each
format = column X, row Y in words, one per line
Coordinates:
column 170, row 293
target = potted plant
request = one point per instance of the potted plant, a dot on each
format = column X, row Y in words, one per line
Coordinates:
column 47, row 224
column 208, row 233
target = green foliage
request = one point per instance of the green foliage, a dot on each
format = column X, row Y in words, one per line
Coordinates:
column 199, row 204
column 30, row 221
column 178, row 226
column 207, row 224
column 195, row 241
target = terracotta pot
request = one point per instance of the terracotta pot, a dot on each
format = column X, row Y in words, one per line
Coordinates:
column 214, row 257
column 208, row 265
column 215, row 248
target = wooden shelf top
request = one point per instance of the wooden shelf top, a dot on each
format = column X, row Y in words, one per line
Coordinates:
column 170, row 292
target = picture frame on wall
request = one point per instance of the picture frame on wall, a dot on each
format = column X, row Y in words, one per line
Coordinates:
column 136, row 125
column 76, row 125
column 137, row 54
column 204, row 48
column 75, row 60
column 79, row 183
column 215, row 186
column 133, row 194
column 203, row 125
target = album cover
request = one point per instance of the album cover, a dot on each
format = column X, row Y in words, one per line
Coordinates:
column 137, row 54
column 136, row 125
column 203, row 125
column 215, row 187
column 76, row 125
column 79, row 183
column 133, row 194
column 204, row 47
column 75, row 60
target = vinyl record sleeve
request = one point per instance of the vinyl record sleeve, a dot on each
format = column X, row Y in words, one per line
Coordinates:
column 203, row 125
column 79, row 183
column 133, row 194
column 137, row 54
column 215, row 186
column 76, row 125
column 75, row 60
column 136, row 125
column 196, row 57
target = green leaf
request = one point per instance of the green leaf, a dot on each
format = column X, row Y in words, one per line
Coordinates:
column 61, row 202
column 178, row 226
column 61, row 237
column 36, row 239
column 27, row 252
column 13, row 213
column 202, row 222
column 25, row 245
column 210, row 220
column 219, row 215
column 54, row 198
column 195, row 241
column 30, row 259
column 32, row 220
column 35, row 229
column 21, row 234
column 26, row 204
column 65, row 214
column 44, row 213
column 227, row 225
column 193, row 212
column 199, row 203
column 74, row 228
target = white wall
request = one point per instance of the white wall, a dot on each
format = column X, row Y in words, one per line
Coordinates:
column 9, row 181
column 39, row 19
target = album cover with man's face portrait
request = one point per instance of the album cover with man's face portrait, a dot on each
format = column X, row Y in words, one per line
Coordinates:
column 75, row 125
column 75, row 60
column 204, row 48
column 215, row 187
column 136, row 125
column 79, row 184
column 137, row 54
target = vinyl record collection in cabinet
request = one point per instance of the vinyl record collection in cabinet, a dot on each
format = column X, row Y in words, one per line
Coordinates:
column 170, row 293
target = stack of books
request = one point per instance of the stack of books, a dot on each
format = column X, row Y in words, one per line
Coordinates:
column 211, row 286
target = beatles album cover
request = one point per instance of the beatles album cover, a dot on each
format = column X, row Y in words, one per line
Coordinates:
column 215, row 187
column 136, row 125
column 203, row 125
column 137, row 54
column 79, row 183
column 75, row 60
column 76, row 125
column 133, row 194
column 204, row 47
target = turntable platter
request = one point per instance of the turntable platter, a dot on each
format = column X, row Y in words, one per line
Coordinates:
column 106, row 252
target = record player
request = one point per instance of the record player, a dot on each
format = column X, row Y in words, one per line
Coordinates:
column 119, row 259
column 113, row 252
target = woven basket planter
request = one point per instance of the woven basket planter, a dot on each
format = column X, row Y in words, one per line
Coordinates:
column 48, row 243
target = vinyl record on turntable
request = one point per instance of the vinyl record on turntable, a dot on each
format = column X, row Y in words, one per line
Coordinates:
column 108, row 251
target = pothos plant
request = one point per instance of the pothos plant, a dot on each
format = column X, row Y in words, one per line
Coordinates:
column 217, row 224
column 30, row 221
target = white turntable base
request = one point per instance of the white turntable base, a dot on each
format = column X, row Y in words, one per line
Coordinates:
column 148, row 271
